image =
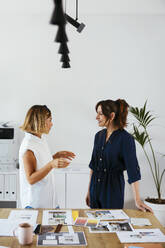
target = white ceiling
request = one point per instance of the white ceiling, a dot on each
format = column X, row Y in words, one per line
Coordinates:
column 92, row 7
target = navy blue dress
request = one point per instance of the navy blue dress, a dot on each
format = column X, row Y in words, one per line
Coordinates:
column 109, row 160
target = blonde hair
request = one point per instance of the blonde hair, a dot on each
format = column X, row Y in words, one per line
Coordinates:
column 35, row 119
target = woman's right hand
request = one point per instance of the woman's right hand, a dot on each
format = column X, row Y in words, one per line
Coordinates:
column 88, row 199
column 59, row 163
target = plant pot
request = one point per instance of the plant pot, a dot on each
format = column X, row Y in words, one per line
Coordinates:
column 159, row 211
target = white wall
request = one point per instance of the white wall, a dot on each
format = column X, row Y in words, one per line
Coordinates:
column 120, row 53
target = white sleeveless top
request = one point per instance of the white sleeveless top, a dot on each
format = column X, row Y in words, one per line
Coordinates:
column 40, row 194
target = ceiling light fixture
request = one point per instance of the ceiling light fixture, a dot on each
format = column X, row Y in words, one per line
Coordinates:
column 60, row 19
column 74, row 22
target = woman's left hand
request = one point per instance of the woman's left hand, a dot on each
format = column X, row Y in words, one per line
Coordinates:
column 64, row 154
column 142, row 206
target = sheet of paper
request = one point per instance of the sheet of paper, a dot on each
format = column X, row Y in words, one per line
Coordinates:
column 21, row 216
column 120, row 226
column 140, row 222
column 101, row 228
column 70, row 229
column 141, row 236
column 107, row 214
column 7, row 227
column 69, row 239
column 55, row 217
column 112, row 227
column 62, row 238
column 75, row 214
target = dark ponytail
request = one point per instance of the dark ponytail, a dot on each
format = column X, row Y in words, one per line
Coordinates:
column 119, row 107
column 121, row 115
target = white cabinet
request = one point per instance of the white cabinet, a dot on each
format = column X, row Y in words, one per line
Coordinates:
column 2, row 179
column 59, row 184
column 77, row 186
column 71, row 187
column 8, row 187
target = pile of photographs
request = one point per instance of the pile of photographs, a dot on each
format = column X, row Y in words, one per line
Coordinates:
column 105, row 221
column 117, row 221
column 56, row 217
column 98, row 221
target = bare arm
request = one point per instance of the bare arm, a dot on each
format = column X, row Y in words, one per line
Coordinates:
column 139, row 203
column 30, row 165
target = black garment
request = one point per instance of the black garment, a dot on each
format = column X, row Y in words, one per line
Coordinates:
column 109, row 160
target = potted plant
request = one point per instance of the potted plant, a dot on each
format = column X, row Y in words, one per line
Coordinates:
column 143, row 119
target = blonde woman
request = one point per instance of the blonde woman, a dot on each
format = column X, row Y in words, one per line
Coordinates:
column 36, row 161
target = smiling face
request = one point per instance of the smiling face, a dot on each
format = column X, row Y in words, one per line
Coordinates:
column 103, row 121
column 100, row 117
column 48, row 124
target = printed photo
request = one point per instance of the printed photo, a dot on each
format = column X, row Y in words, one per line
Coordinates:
column 80, row 221
column 55, row 218
column 101, row 228
column 119, row 226
column 92, row 223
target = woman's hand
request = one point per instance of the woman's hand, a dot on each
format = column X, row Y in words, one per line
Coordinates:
column 139, row 203
column 64, row 154
column 59, row 163
column 142, row 206
column 87, row 199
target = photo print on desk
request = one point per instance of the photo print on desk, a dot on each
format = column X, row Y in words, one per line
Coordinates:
column 62, row 238
column 119, row 226
column 80, row 221
column 56, row 217
column 92, row 222
column 112, row 227
column 142, row 236
column 107, row 214
column 101, row 228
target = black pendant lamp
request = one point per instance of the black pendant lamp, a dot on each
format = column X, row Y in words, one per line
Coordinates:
column 60, row 19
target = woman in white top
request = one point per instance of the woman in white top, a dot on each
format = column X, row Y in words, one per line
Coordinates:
column 36, row 161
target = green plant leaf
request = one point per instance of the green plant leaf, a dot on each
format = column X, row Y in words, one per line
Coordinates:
column 140, row 133
column 140, row 137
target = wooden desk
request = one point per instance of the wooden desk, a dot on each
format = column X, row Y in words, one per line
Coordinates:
column 99, row 240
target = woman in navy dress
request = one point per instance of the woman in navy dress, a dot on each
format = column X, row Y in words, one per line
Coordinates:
column 114, row 151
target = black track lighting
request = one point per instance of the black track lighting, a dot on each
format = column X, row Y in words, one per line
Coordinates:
column 75, row 23
column 60, row 19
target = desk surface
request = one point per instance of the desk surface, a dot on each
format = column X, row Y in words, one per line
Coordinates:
column 99, row 240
